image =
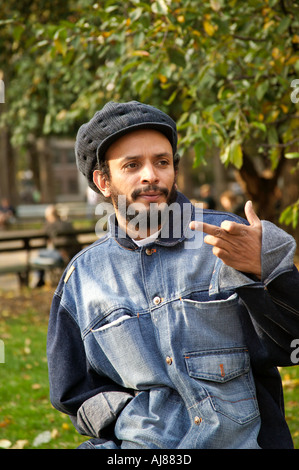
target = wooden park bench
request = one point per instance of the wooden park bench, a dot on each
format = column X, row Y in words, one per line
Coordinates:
column 29, row 241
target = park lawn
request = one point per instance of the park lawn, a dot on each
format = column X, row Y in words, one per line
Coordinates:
column 25, row 411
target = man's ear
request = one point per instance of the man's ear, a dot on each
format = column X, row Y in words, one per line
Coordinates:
column 101, row 182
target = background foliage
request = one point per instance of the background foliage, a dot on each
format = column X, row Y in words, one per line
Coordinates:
column 223, row 69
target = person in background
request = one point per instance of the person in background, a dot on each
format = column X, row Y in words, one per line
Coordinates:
column 7, row 213
column 62, row 243
column 230, row 202
column 205, row 196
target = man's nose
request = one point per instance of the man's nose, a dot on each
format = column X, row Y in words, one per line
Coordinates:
column 149, row 174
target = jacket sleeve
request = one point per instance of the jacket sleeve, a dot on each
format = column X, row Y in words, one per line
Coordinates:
column 73, row 381
column 271, row 314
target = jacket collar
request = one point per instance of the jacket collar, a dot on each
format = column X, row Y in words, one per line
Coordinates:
column 173, row 231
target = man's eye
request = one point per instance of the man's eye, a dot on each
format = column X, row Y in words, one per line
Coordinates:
column 163, row 162
column 131, row 166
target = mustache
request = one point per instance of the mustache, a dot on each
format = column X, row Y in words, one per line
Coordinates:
column 150, row 187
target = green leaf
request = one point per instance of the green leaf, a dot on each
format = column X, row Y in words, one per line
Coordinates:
column 224, row 155
column 283, row 25
column 200, row 152
column 232, row 154
column 261, row 90
column 274, row 157
column 292, row 155
column 160, row 7
column 171, row 98
column 176, row 56
column 272, row 136
column 290, row 216
column 259, row 125
column 236, row 155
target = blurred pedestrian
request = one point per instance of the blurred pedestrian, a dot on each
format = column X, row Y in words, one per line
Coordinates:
column 7, row 213
column 62, row 243
column 206, row 197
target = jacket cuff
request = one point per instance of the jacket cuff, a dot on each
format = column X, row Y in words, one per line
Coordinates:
column 99, row 411
column 278, row 250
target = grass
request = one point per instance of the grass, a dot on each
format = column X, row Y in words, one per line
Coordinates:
column 25, row 410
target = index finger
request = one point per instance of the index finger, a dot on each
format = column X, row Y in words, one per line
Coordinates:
column 207, row 228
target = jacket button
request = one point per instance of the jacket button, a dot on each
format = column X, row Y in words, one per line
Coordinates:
column 169, row 360
column 149, row 251
column 157, row 300
column 197, row 420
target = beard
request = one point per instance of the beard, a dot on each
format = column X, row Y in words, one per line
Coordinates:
column 139, row 217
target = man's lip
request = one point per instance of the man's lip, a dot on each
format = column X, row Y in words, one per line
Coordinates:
column 150, row 195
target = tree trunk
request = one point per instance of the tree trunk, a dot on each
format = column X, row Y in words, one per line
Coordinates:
column 47, row 186
column 8, row 187
column 261, row 189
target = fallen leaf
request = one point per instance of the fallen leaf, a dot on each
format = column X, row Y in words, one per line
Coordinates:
column 20, row 444
column 42, row 438
column 5, row 422
column 5, row 443
column 54, row 433
column 36, row 386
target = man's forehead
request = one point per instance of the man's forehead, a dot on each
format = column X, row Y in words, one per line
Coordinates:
column 137, row 143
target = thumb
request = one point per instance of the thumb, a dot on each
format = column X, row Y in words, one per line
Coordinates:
column 251, row 216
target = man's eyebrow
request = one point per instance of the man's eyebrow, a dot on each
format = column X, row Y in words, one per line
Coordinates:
column 156, row 155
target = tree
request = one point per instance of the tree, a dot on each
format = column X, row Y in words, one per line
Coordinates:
column 223, row 69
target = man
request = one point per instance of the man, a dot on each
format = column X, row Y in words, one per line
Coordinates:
column 155, row 339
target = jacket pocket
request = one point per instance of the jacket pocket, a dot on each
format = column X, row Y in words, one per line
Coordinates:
column 112, row 323
column 226, row 376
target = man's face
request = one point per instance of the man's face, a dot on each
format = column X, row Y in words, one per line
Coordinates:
column 141, row 169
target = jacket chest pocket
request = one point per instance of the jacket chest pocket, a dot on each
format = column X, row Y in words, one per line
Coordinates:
column 226, row 376
column 124, row 348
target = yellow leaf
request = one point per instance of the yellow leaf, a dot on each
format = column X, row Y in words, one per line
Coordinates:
column 54, row 433
column 295, row 39
column 20, row 444
column 141, row 53
column 61, row 115
column 292, row 60
column 162, row 78
column 36, row 386
column 275, row 53
column 209, row 28
column 215, row 5
column 268, row 24
column 65, row 426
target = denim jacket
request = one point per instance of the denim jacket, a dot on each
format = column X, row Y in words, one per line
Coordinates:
column 164, row 346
